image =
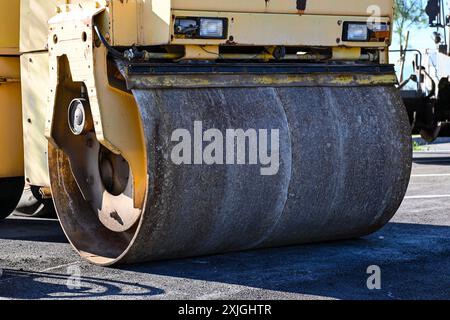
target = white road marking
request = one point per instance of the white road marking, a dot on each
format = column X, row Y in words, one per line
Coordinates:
column 433, row 152
column 429, row 196
column 42, row 271
column 61, row 266
column 431, row 175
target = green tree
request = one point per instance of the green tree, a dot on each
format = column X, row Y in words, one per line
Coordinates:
column 407, row 14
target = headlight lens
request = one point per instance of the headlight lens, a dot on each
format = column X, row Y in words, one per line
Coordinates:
column 211, row 28
column 366, row 32
column 355, row 32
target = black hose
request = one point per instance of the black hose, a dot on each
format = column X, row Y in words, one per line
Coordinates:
column 115, row 53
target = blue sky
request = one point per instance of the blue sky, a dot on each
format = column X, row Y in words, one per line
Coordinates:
column 418, row 38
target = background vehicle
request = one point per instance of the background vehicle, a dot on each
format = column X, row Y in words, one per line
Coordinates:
column 428, row 103
column 107, row 83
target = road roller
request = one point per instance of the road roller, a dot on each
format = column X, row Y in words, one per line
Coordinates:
column 166, row 129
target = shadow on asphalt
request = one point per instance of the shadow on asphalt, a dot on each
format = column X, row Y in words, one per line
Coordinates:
column 52, row 285
column 33, row 229
column 432, row 161
column 414, row 259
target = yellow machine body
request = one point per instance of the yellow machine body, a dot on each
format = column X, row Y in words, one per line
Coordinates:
column 150, row 23
column 11, row 118
column 252, row 22
column 9, row 26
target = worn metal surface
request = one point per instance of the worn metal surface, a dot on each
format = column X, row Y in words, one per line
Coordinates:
column 345, row 160
column 325, row 70
column 224, row 75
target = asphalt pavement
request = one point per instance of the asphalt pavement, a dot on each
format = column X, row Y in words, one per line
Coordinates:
column 412, row 254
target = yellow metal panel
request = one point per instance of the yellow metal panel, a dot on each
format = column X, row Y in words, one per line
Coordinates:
column 256, row 18
column 340, row 53
column 148, row 22
column 35, row 86
column 11, row 143
column 34, row 16
column 125, row 21
column 331, row 7
column 280, row 29
column 142, row 22
column 33, row 23
column 154, row 22
column 9, row 26
column 201, row 52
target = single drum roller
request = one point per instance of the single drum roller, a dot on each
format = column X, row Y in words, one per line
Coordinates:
column 198, row 132
column 344, row 163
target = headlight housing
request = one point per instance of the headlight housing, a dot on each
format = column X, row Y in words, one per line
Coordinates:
column 365, row 32
column 201, row 28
